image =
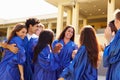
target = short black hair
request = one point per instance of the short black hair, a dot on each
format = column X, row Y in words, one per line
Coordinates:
column 31, row 21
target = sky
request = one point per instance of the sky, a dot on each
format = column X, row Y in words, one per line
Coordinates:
column 11, row 9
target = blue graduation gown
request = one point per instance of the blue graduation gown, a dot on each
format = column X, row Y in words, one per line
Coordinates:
column 28, row 65
column 111, row 58
column 9, row 64
column 31, row 47
column 45, row 65
column 65, row 54
column 80, row 68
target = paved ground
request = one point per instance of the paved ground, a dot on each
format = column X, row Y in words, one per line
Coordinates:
column 102, row 72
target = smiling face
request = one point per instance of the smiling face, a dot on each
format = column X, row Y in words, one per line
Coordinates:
column 33, row 28
column 68, row 33
column 22, row 33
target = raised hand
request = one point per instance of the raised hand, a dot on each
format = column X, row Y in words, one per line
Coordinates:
column 57, row 48
column 61, row 79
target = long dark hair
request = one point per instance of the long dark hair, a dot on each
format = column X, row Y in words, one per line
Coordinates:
column 17, row 28
column 112, row 26
column 45, row 38
column 88, row 38
column 62, row 35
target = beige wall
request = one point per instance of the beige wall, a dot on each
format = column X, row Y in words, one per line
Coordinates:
column 97, row 25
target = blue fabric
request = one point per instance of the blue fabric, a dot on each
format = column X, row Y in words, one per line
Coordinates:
column 65, row 54
column 31, row 46
column 1, row 51
column 46, row 65
column 9, row 64
column 80, row 67
column 28, row 65
column 111, row 58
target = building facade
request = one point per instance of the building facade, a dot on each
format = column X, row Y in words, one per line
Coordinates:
column 71, row 12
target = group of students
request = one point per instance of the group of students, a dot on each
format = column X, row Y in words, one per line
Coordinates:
column 31, row 57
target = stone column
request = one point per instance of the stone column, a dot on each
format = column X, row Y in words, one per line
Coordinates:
column 69, row 16
column 75, row 18
column 49, row 25
column 110, row 10
column 9, row 29
column 59, row 20
column 84, row 22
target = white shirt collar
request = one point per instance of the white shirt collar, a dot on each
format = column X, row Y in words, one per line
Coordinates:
column 31, row 36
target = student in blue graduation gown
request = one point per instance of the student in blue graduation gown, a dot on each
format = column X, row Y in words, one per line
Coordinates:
column 84, row 65
column 66, row 39
column 45, row 61
column 35, row 40
column 32, row 26
column 11, row 65
column 111, row 55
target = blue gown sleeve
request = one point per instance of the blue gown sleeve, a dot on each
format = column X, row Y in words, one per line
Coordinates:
column 54, row 43
column 106, row 56
column 76, row 68
column 47, row 60
column 112, row 51
column 21, row 52
column 75, row 47
column 56, row 54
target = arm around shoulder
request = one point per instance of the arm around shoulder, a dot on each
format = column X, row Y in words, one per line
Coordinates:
column 61, row 78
